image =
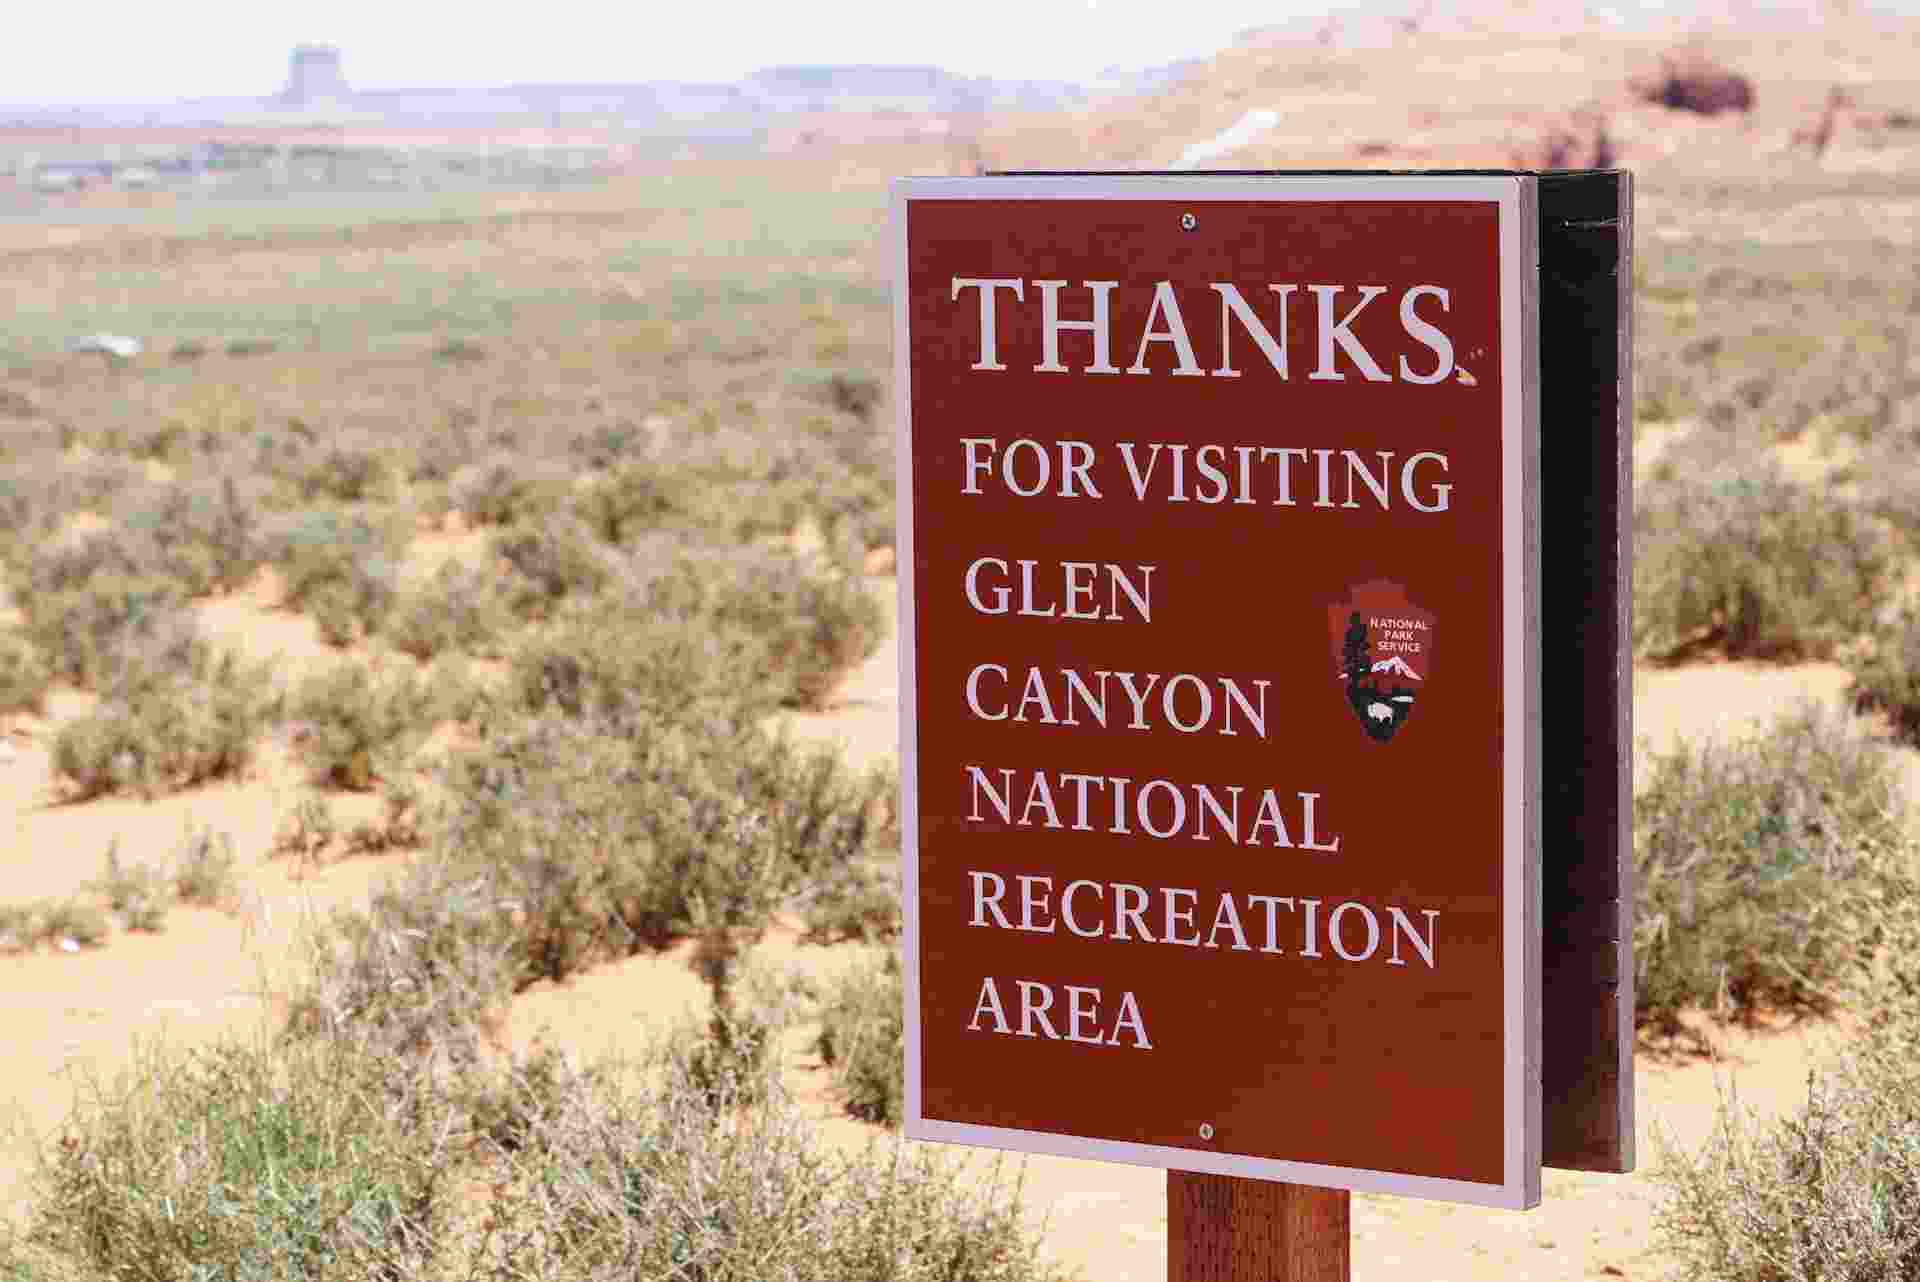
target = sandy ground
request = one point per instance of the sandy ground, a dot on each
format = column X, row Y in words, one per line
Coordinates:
column 214, row 973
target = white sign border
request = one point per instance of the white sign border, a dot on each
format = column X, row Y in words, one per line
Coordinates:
column 1514, row 194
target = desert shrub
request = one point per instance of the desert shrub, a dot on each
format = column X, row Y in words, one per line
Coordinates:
column 1886, row 678
column 318, row 1161
column 329, row 1160
column 351, row 469
column 460, row 607
column 818, row 625
column 420, row 967
column 634, row 495
column 603, row 656
column 75, row 920
column 603, row 446
column 356, row 722
column 656, row 1184
column 613, row 835
column 70, row 923
column 205, row 869
column 73, row 557
column 460, row 351
column 25, row 672
column 855, row 394
column 552, row 558
column 19, row 928
column 502, row 488
column 36, row 495
column 1744, row 559
column 203, row 535
column 1829, row 1191
column 440, row 450
column 862, row 1038
column 398, row 829
column 1753, row 863
column 730, row 1058
column 139, row 895
column 858, row 899
column 83, row 629
column 342, row 567
column 175, row 713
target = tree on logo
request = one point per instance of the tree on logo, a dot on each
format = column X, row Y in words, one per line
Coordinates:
column 1357, row 654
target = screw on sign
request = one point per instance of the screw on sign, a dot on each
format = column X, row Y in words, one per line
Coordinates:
column 1219, row 856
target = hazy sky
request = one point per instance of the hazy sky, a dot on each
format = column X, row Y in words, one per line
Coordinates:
column 136, row 51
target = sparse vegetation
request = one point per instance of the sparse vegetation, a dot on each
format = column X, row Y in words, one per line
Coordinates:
column 139, row 895
column 205, row 869
column 1755, row 863
column 326, row 1158
column 350, row 723
column 862, row 1038
column 639, row 446
column 1886, row 677
column 460, row 608
column 1745, row 560
column 340, row 566
column 174, row 712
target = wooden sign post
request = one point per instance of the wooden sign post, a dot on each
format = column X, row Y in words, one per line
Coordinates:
column 1225, row 690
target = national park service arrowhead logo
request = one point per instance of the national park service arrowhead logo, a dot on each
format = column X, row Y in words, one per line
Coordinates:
column 1383, row 653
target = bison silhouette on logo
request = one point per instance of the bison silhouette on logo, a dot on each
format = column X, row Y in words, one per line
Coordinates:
column 1383, row 653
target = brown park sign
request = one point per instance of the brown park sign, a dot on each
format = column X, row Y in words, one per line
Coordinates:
column 1221, row 855
column 1220, row 604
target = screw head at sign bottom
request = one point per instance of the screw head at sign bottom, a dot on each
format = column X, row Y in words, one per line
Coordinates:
column 1206, row 1130
column 1188, row 222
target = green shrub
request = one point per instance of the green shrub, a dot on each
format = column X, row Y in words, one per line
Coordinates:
column 731, row 1058
column 37, row 494
column 75, row 920
column 502, row 489
column 177, row 713
column 353, row 469
column 666, row 1184
column 460, row 351
column 84, row 629
column 139, row 895
column 1753, row 862
column 205, row 871
column 421, row 967
column 859, row 899
column 610, row 835
column 1830, row 1191
column 356, row 722
column 553, row 557
column 19, row 928
column 328, row 1159
column 204, row 535
column 459, row 608
column 855, row 394
column 863, row 1038
column 68, row 924
column 633, row 496
column 340, row 567
column 25, row 673
column 603, row 656
column 1886, row 678
column 1748, row 561
column 316, row 1161
column 817, row 625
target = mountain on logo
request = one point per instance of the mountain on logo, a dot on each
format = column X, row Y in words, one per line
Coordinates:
column 1398, row 666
